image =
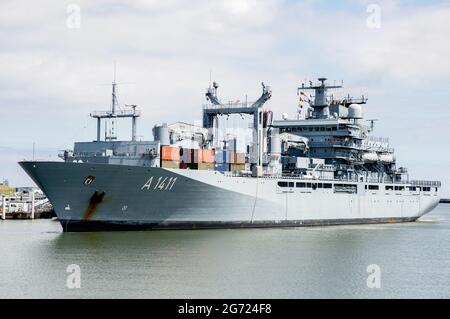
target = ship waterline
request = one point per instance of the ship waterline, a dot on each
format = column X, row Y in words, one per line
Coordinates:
column 92, row 197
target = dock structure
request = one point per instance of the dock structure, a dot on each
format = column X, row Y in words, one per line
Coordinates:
column 24, row 206
column 3, row 207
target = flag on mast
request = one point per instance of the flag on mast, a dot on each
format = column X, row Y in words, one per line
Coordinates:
column 304, row 100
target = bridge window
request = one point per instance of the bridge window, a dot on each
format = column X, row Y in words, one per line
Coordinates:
column 399, row 188
column 374, row 187
column 301, row 185
column 412, row 188
column 286, row 184
column 389, row 187
column 427, row 189
column 328, row 186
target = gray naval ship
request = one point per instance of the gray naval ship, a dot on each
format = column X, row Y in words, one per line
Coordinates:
column 322, row 167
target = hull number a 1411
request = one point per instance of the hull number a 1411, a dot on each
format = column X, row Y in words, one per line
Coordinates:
column 160, row 183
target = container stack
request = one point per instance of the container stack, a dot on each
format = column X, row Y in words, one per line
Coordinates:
column 220, row 158
column 238, row 162
column 202, row 159
column 205, row 159
column 170, row 157
column 229, row 161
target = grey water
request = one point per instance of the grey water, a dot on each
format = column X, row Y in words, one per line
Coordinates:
column 316, row 262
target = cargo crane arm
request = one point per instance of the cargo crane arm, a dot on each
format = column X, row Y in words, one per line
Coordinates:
column 211, row 94
column 265, row 96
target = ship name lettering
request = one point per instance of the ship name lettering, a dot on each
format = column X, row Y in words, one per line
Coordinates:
column 162, row 183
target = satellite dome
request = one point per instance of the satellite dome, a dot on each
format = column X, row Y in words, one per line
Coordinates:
column 355, row 111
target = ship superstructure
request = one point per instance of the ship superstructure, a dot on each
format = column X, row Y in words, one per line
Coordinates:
column 322, row 167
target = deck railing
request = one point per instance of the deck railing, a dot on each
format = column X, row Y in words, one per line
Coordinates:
column 425, row 183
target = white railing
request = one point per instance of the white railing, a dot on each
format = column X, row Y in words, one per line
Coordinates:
column 116, row 113
column 232, row 105
column 378, row 139
column 425, row 183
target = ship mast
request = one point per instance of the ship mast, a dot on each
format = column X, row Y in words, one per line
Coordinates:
column 115, row 113
column 320, row 104
column 113, row 108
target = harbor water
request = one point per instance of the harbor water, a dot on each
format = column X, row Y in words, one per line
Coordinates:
column 413, row 260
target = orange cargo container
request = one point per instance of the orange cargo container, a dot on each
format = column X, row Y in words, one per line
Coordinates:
column 170, row 153
column 231, row 157
column 240, row 158
column 207, row 156
column 202, row 156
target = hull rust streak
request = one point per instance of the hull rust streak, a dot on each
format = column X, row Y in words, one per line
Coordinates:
column 94, row 201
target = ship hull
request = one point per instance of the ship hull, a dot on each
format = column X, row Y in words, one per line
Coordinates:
column 95, row 197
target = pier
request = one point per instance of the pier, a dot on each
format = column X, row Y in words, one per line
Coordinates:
column 25, row 205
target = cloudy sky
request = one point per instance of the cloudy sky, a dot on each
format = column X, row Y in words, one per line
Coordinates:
column 55, row 64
